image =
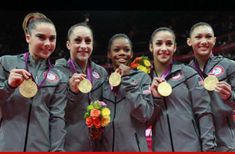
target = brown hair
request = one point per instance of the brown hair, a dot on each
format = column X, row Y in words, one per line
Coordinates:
column 29, row 17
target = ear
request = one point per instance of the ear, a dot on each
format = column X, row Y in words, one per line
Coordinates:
column 108, row 55
column 175, row 47
column 189, row 42
column 214, row 40
column 68, row 45
column 27, row 38
column 131, row 54
column 150, row 47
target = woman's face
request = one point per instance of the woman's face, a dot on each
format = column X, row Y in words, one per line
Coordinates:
column 120, row 52
column 80, row 43
column 42, row 40
column 163, row 47
column 202, row 40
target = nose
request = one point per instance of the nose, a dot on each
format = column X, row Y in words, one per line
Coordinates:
column 83, row 45
column 47, row 42
column 164, row 47
column 203, row 40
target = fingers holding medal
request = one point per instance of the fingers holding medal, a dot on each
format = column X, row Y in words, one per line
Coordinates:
column 17, row 76
column 78, row 82
column 115, row 79
column 160, row 87
column 85, row 86
column 164, row 89
column 28, row 88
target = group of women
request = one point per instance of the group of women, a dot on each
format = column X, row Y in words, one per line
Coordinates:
column 43, row 108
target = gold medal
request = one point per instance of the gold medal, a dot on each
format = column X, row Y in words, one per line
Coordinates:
column 28, row 88
column 210, row 82
column 85, row 86
column 164, row 89
column 114, row 79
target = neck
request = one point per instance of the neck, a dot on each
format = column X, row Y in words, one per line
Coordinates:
column 82, row 64
column 159, row 68
column 202, row 60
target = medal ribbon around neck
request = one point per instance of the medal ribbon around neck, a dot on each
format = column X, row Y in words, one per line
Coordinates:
column 210, row 81
column 85, row 85
column 165, row 88
column 26, row 58
column 29, row 88
column 202, row 74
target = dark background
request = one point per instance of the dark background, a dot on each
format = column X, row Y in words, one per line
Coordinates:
column 137, row 19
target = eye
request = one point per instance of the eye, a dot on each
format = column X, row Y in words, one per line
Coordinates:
column 88, row 41
column 52, row 38
column 127, row 49
column 158, row 43
column 208, row 36
column 78, row 40
column 198, row 36
column 116, row 49
column 169, row 43
column 40, row 37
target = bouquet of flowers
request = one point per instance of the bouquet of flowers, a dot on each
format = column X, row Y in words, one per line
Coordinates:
column 141, row 63
column 97, row 117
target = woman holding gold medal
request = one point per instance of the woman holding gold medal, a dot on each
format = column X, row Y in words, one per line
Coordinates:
column 219, row 79
column 85, row 86
column 32, row 93
column 128, row 96
column 182, row 120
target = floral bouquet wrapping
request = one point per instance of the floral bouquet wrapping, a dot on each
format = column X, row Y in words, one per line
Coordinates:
column 141, row 63
column 97, row 117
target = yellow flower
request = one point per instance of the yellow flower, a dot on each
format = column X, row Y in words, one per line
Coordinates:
column 105, row 112
column 142, row 68
column 105, row 121
column 147, row 63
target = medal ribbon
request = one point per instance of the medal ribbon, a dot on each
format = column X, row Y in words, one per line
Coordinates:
column 166, row 72
column 26, row 58
column 73, row 69
column 200, row 72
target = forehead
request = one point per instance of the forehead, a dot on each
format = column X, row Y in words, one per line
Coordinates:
column 45, row 28
column 82, row 31
column 163, row 35
column 202, row 30
column 121, row 41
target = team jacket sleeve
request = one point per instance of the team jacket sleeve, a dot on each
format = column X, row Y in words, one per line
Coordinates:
column 231, row 81
column 5, row 89
column 202, row 112
column 139, row 96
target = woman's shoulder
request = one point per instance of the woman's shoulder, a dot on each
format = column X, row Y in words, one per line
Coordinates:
column 98, row 68
column 187, row 70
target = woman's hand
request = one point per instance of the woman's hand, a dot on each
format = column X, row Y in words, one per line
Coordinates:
column 123, row 69
column 75, row 80
column 224, row 90
column 17, row 76
column 154, row 85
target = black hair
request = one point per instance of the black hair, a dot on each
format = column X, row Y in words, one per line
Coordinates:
column 82, row 24
column 162, row 29
column 119, row 35
column 198, row 25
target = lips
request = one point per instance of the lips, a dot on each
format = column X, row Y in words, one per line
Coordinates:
column 204, row 48
column 121, row 60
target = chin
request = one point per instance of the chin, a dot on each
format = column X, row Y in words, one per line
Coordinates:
column 45, row 56
column 204, row 53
